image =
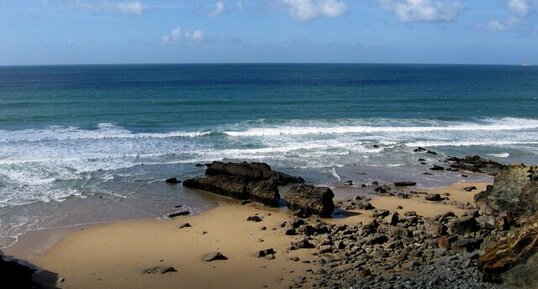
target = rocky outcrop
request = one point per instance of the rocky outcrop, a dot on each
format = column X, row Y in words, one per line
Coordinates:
column 251, row 172
column 515, row 190
column 514, row 259
column 243, row 181
column 475, row 164
column 311, row 200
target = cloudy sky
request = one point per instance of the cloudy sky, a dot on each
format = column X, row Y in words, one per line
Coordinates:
column 217, row 31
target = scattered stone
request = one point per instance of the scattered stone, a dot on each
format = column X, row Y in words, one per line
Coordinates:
column 160, row 270
column 265, row 253
column 213, row 256
column 254, row 218
column 433, row 197
column 469, row 189
column 185, row 225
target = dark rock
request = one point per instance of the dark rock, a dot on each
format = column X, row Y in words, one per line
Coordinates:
column 310, row 199
column 185, row 225
column 433, row 197
column 469, row 189
column 178, row 213
column 476, row 164
column 172, row 181
column 431, row 152
column 15, row 275
column 405, row 184
column 227, row 185
column 213, row 256
column 420, row 149
column 380, row 213
column 265, row 253
column 251, row 172
column 377, row 239
column 437, row 168
column 254, row 218
column 160, row 270
column 467, row 244
column 463, row 225
column 301, row 244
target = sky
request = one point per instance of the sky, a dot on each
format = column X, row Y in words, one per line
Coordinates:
column 36, row 32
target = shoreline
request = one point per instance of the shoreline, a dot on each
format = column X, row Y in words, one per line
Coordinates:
column 93, row 247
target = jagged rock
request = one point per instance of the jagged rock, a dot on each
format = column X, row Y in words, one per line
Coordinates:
column 463, row 225
column 467, row 244
column 251, row 172
column 310, row 199
column 265, row 253
column 243, row 181
column 514, row 190
column 476, row 164
column 514, row 258
column 213, row 256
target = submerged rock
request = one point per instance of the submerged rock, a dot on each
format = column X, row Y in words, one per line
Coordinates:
column 475, row 164
column 311, row 200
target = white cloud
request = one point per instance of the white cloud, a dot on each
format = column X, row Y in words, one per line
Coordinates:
column 424, row 10
column 219, row 9
column 126, row 7
column 130, row 7
column 518, row 11
column 176, row 36
column 196, row 36
column 519, row 7
column 309, row 9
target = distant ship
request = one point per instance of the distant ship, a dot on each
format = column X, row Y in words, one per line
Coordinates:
column 526, row 63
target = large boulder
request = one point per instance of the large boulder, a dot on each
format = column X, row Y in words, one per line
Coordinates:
column 251, row 172
column 514, row 190
column 311, row 200
column 15, row 275
column 243, row 181
column 514, row 259
column 475, row 164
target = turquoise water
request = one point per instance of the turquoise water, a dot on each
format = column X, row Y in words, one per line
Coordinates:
column 114, row 130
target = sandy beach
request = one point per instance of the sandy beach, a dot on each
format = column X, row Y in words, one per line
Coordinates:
column 115, row 255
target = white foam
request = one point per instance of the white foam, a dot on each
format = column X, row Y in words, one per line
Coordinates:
column 501, row 155
column 504, row 124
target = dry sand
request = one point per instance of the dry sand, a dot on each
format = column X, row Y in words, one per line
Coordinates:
column 114, row 255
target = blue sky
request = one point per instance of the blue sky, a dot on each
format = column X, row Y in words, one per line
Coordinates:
column 216, row 31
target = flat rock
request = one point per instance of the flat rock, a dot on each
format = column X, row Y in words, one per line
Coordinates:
column 160, row 270
column 311, row 200
column 214, row 256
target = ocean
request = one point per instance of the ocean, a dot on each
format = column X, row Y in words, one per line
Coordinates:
column 82, row 144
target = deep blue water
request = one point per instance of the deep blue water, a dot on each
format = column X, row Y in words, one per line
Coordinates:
column 115, row 129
